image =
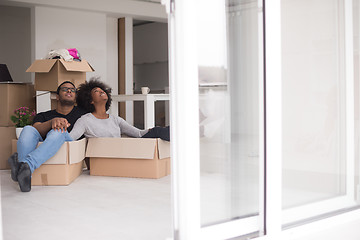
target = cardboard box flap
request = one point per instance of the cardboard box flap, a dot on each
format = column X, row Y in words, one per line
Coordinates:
column 43, row 65
column 136, row 148
column 93, row 70
column 164, row 149
column 60, row 157
column 77, row 151
column 75, row 66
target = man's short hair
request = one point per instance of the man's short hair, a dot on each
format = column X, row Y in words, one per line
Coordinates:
column 58, row 89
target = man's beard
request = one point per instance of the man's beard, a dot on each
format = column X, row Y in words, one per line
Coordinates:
column 66, row 102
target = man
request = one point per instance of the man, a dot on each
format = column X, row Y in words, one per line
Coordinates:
column 53, row 126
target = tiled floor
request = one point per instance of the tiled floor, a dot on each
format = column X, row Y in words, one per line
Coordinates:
column 91, row 207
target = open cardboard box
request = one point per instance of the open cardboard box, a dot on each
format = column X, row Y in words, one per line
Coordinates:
column 50, row 73
column 129, row 157
column 63, row 168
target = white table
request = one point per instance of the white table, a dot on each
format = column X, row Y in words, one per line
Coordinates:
column 149, row 104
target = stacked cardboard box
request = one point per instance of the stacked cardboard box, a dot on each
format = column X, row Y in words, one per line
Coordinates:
column 12, row 96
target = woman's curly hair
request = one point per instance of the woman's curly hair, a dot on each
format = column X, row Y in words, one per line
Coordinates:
column 83, row 94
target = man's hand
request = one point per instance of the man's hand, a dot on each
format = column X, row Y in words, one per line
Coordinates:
column 59, row 124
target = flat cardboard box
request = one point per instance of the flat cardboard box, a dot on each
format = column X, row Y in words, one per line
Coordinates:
column 50, row 73
column 6, row 135
column 63, row 168
column 129, row 157
column 12, row 96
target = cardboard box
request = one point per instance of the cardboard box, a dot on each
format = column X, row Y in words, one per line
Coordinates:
column 45, row 101
column 50, row 73
column 6, row 135
column 12, row 96
column 63, row 168
column 129, row 157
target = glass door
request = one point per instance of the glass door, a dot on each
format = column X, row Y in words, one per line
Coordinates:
column 217, row 96
column 318, row 109
column 230, row 109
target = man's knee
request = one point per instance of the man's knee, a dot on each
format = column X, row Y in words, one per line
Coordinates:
column 29, row 129
column 28, row 132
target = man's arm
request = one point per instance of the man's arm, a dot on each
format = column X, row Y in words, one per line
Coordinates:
column 43, row 128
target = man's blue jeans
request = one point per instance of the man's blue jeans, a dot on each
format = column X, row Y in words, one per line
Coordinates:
column 28, row 141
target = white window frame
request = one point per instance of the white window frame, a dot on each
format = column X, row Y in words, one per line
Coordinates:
column 273, row 154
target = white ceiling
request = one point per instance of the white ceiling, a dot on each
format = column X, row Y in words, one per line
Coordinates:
column 149, row 10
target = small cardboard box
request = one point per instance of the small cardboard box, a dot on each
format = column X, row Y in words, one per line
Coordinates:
column 12, row 96
column 6, row 135
column 50, row 73
column 63, row 168
column 129, row 157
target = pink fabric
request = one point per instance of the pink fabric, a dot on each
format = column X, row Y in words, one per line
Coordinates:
column 73, row 52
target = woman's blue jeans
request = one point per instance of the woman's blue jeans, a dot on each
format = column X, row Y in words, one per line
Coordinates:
column 35, row 156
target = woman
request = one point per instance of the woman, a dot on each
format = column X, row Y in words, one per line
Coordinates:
column 94, row 97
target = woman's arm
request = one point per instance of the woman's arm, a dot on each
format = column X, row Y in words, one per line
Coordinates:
column 78, row 129
column 130, row 130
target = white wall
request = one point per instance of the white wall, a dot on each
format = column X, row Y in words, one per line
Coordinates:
column 30, row 33
column 15, row 41
column 62, row 28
